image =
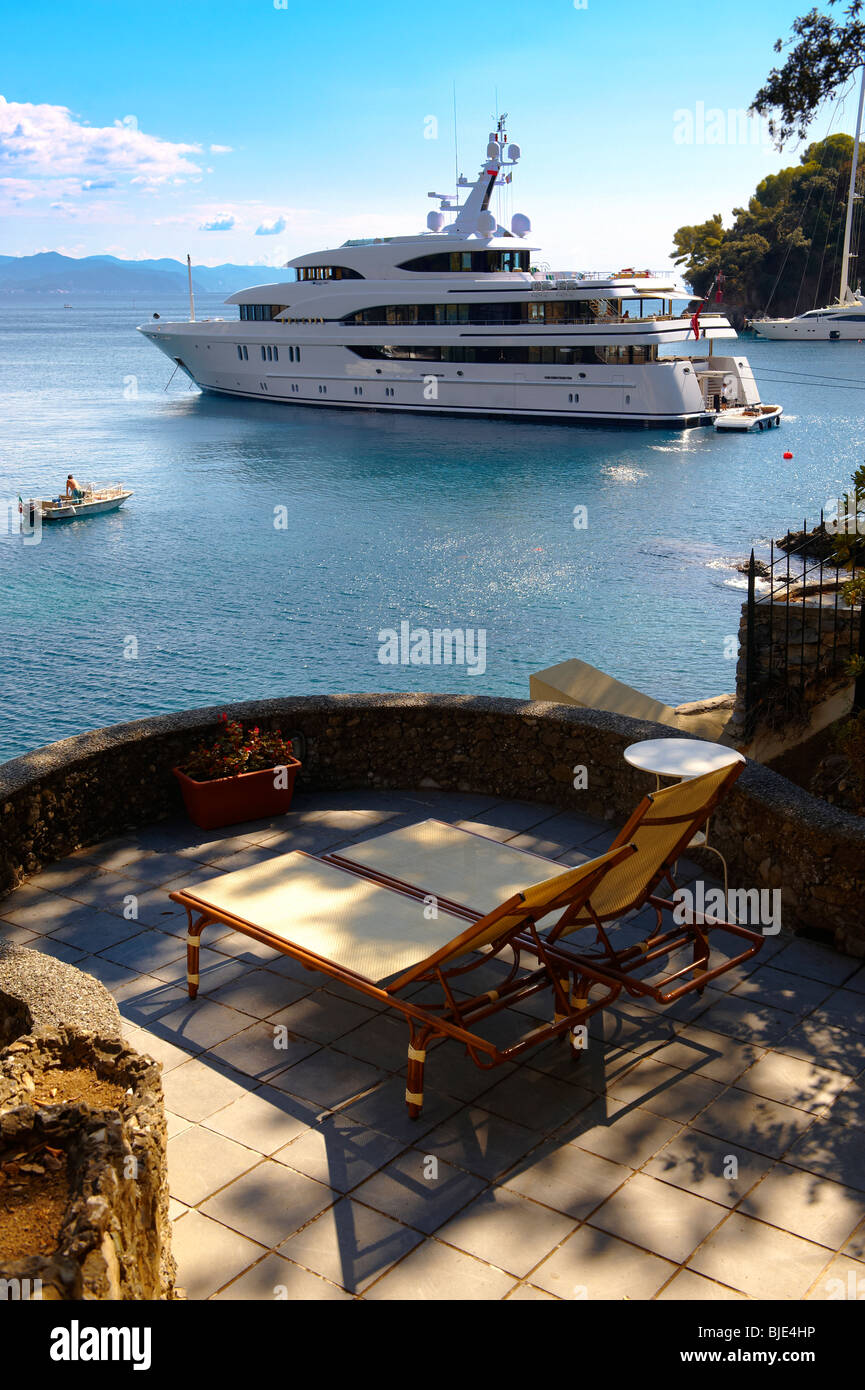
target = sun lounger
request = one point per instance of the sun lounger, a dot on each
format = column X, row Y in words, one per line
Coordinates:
column 463, row 868
column 384, row 941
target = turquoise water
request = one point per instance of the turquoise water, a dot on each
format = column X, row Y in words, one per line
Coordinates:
column 439, row 522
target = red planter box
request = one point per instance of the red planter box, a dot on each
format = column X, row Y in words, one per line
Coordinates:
column 230, row 800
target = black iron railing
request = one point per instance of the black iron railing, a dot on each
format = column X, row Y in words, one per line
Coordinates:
column 803, row 579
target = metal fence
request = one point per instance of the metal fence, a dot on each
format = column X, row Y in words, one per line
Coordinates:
column 777, row 670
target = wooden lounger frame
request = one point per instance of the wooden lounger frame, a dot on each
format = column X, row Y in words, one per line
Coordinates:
column 569, row 985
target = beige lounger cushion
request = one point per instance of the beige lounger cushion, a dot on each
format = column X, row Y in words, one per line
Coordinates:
column 465, row 868
column 358, row 925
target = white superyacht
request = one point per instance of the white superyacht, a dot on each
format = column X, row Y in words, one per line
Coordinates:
column 460, row 320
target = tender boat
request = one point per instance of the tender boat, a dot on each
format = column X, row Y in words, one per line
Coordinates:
column 749, row 417
column 463, row 319
column 91, row 501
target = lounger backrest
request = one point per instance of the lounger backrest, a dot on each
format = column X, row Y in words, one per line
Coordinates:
column 660, row 829
column 567, row 890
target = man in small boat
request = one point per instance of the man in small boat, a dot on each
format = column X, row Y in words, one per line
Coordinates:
column 73, row 489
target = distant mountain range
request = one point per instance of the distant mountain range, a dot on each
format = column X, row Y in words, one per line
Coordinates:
column 50, row 273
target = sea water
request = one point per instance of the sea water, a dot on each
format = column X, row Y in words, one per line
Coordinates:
column 271, row 550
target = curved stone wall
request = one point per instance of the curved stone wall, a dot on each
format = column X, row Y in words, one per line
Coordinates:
column 773, row 834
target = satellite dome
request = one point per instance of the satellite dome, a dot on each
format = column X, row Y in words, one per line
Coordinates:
column 493, row 150
column 435, row 221
column 514, row 152
column 486, row 224
column 520, row 224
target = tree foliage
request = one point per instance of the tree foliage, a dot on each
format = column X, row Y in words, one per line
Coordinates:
column 822, row 56
column 783, row 250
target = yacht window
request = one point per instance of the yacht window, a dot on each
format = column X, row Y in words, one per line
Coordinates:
column 327, row 272
column 459, row 261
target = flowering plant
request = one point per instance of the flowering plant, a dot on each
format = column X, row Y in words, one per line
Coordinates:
column 237, row 750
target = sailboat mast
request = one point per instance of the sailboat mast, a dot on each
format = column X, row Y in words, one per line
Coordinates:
column 845, row 295
column 191, row 295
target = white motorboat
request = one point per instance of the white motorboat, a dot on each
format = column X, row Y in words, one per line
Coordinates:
column 89, row 501
column 846, row 319
column 749, row 417
column 461, row 319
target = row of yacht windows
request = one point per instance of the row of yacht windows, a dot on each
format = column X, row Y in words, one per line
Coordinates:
column 489, row 312
column 327, row 272
column 560, row 356
column 268, row 353
column 455, row 262
column 261, row 312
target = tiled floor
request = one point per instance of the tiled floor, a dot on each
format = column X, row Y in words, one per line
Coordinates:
column 714, row 1150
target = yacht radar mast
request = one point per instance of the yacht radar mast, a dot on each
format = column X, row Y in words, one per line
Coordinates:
column 473, row 218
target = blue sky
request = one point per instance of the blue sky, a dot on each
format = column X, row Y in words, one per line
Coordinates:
column 160, row 128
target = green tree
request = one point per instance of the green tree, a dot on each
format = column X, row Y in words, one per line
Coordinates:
column 823, row 55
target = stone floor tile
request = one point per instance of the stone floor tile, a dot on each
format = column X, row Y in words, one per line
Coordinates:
column 321, row 1016
column 338, row 1151
column 793, row 1082
column 842, row 1281
column 194, row 1023
column 48, row 946
column 757, row 1024
column 849, row 1106
column 145, row 951
column 281, row 1280
column 269, row 1203
column 809, row 1206
column 814, row 961
column 262, row 1051
column 483, row 1143
column 623, row 1133
column 506, row 1230
column 833, row 1150
column 264, row 1120
column 826, row 1045
column 782, row 990
column 664, row 1090
column 709, row 1054
column 693, row 1288
column 208, row 1254
column 596, row 1266
column 527, row 1293
column 437, row 1272
column 571, row 1180
column 200, row 1162
column 665, row 1220
column 197, row 1088
column 385, row 1109
column 844, row 1008
column 702, row 1164
column 543, row 1103
column 259, row 993
column 165, row 1053
column 753, row 1122
column 417, row 1191
column 350, row 1244
column 95, row 931
column 382, row 1041
column 327, row 1078
column 759, row 1260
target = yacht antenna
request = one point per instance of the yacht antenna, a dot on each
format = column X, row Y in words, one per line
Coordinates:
column 456, row 146
column 191, row 296
column 845, row 296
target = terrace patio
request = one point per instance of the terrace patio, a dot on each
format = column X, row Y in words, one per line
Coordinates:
column 712, row 1150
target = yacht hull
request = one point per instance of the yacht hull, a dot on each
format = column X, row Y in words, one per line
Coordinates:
column 667, row 394
column 817, row 331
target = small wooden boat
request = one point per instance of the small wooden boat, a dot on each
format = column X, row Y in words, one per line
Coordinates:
column 749, row 417
column 89, row 501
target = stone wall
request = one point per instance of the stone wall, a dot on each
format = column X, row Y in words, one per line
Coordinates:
column 99, row 784
column 811, row 643
column 115, row 1236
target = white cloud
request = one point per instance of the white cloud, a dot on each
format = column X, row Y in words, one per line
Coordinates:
column 220, row 149
column 46, row 143
column 223, row 222
column 271, row 228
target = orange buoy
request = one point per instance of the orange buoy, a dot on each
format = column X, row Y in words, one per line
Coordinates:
column 787, row 454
